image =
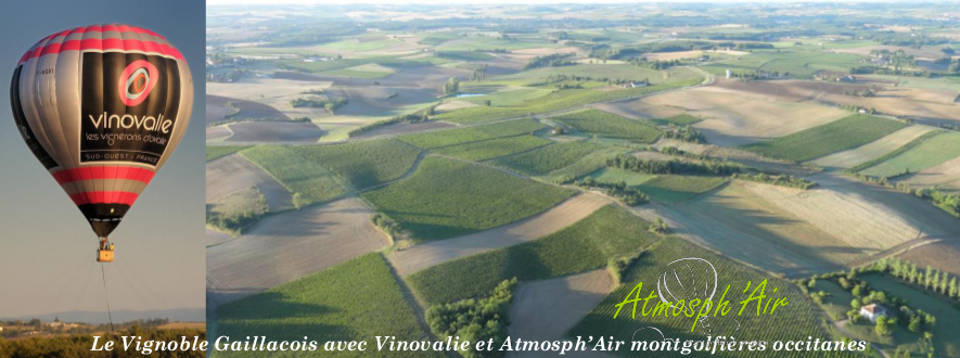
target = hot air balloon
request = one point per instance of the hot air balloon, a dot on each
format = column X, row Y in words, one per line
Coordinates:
column 102, row 107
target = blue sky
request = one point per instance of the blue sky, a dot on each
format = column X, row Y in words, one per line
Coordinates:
column 47, row 248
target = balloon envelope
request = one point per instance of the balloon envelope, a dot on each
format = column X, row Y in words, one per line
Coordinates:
column 102, row 107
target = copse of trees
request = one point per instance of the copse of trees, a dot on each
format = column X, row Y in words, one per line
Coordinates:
column 451, row 87
column 673, row 166
column 686, row 134
column 776, row 179
column 628, row 195
column 329, row 104
column 553, row 60
column 475, row 319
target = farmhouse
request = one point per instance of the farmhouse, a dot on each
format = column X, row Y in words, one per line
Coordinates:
column 872, row 311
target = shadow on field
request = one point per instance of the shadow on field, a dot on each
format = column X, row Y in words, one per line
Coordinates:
column 278, row 316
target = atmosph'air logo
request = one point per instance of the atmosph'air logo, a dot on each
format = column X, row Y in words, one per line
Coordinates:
column 136, row 81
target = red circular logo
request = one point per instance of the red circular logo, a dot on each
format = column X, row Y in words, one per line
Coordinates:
column 136, row 82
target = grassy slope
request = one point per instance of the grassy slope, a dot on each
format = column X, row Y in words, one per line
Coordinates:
column 436, row 139
column 924, row 152
column 358, row 299
column 296, row 173
column 610, row 232
column 795, row 321
column 364, row 164
column 493, row 148
column 446, row 198
column 552, row 157
column 846, row 133
column 606, row 124
column 217, row 151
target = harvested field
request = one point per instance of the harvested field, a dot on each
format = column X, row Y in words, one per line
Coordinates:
column 275, row 93
column 941, row 255
column 284, row 247
column 738, row 223
column 927, row 105
column 226, row 109
column 735, row 117
column 923, row 153
column 234, row 173
column 419, row 257
column 545, row 310
column 453, row 105
column 946, row 175
column 381, row 100
column 855, row 222
column 218, row 132
column 853, row 157
column 274, row 131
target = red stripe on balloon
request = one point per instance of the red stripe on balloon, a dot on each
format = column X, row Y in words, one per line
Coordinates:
column 103, row 44
column 103, row 172
column 104, row 28
column 104, row 197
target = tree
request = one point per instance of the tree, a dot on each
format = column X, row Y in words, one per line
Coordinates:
column 882, row 327
column 915, row 324
column 452, row 86
column 855, row 303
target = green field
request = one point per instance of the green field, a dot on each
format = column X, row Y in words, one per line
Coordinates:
column 846, row 133
column 680, row 120
column 946, row 341
column 796, row 321
column 436, row 139
column 356, row 300
column 509, row 96
column 676, row 188
column 926, row 151
column 612, row 175
column 585, row 165
column 217, row 151
column 549, row 158
column 308, row 181
column 494, row 148
column 663, row 188
column 837, row 302
column 589, row 244
column 366, row 163
column 465, row 55
column 555, row 101
column 796, row 63
column 606, row 124
column 446, row 198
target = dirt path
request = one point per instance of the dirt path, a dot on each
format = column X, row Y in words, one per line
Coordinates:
column 287, row 246
column 425, row 255
column 545, row 310
column 234, row 173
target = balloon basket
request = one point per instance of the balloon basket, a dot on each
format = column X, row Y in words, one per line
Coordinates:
column 104, row 255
